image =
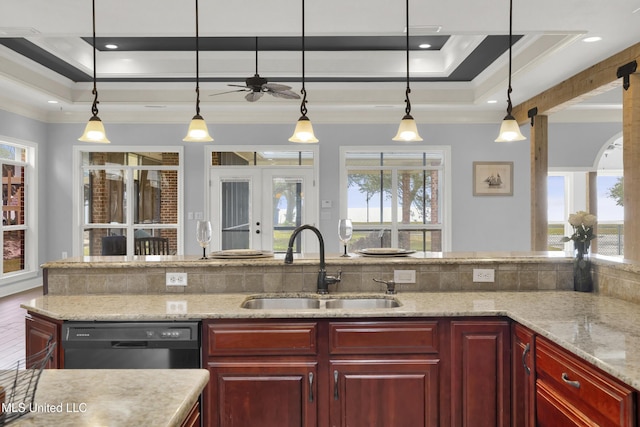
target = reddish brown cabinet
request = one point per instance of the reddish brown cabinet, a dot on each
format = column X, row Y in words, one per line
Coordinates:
column 523, row 377
column 480, row 373
column 39, row 332
column 261, row 373
column 384, row 373
column 572, row 392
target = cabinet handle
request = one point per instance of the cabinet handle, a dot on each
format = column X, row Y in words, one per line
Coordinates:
column 565, row 378
column 527, row 349
column 335, row 385
column 310, row 386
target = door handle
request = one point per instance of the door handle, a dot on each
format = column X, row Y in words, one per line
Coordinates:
column 310, row 387
column 335, row 385
column 565, row 378
column 526, row 351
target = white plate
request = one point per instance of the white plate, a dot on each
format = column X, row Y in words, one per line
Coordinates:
column 385, row 252
column 241, row 253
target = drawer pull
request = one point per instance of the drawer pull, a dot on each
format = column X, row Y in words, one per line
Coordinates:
column 335, row 385
column 310, row 386
column 565, row 378
column 526, row 351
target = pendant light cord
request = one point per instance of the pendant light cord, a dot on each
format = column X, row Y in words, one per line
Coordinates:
column 407, row 108
column 197, row 64
column 303, row 106
column 94, row 106
column 509, row 89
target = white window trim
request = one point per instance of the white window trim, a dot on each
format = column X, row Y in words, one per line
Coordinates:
column 77, row 215
column 31, row 266
column 446, row 176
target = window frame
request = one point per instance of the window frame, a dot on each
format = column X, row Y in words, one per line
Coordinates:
column 446, row 195
column 30, row 226
column 78, row 193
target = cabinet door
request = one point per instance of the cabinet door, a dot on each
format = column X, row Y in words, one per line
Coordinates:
column 554, row 411
column 480, row 373
column 255, row 392
column 39, row 333
column 523, row 378
column 383, row 393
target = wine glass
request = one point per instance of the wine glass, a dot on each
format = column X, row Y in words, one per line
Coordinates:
column 203, row 235
column 345, row 231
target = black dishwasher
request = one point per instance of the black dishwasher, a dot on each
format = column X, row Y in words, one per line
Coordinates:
column 131, row 345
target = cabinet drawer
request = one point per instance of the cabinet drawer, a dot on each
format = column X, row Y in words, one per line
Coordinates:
column 600, row 397
column 262, row 339
column 383, row 337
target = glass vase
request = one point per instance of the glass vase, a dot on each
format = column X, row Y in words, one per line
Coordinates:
column 582, row 280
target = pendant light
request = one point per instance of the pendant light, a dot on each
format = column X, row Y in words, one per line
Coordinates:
column 94, row 131
column 509, row 130
column 408, row 130
column 198, row 131
column 303, row 132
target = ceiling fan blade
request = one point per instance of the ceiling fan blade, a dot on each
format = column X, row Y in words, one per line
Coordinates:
column 286, row 94
column 253, row 96
column 276, row 87
column 244, row 86
column 230, row 91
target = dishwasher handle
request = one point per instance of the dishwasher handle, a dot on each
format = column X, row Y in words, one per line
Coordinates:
column 129, row 344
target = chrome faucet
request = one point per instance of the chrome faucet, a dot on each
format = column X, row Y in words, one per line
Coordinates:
column 323, row 280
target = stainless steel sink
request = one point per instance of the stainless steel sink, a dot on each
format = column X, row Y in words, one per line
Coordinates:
column 362, row 303
column 285, row 303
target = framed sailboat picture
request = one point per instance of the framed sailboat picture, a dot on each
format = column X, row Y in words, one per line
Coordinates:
column 493, row 178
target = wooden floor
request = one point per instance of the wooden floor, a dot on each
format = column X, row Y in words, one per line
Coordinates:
column 12, row 337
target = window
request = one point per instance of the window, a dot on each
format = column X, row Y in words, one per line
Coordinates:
column 126, row 196
column 610, row 227
column 19, row 240
column 396, row 198
column 557, row 211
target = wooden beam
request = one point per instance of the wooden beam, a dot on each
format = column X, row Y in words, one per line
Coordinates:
column 631, row 160
column 596, row 79
column 539, row 168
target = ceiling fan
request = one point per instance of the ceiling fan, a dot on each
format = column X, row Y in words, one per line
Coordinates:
column 258, row 86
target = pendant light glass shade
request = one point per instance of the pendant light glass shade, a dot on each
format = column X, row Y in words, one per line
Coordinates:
column 94, row 131
column 408, row 130
column 198, row 131
column 509, row 129
column 303, row 132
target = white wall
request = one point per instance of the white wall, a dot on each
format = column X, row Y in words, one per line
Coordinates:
column 479, row 223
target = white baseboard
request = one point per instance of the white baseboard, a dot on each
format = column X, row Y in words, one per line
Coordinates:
column 15, row 288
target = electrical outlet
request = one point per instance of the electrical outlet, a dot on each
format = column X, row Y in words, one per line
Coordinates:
column 176, row 279
column 484, row 275
column 176, row 307
column 404, row 276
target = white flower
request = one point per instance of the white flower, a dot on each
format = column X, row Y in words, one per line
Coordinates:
column 575, row 219
column 589, row 220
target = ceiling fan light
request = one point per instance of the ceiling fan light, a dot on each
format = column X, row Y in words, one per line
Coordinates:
column 198, row 131
column 303, row 132
column 408, row 130
column 510, row 130
column 94, row 131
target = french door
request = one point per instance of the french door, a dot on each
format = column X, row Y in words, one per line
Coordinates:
column 258, row 208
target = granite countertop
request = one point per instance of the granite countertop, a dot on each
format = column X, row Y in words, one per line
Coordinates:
column 600, row 329
column 123, row 397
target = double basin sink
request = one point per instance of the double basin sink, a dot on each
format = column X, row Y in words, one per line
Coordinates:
column 319, row 303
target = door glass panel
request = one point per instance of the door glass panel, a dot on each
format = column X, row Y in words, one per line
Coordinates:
column 104, row 241
column 235, row 213
column 417, row 197
column 287, row 210
column 13, row 253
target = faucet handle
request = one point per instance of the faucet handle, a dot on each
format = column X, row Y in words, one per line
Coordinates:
column 334, row 279
column 391, row 285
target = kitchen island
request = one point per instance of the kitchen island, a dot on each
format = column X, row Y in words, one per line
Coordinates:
column 78, row 398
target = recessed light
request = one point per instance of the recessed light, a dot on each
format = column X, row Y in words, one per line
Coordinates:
column 492, row 101
column 592, row 39
column 52, row 101
column 111, row 46
column 424, row 46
